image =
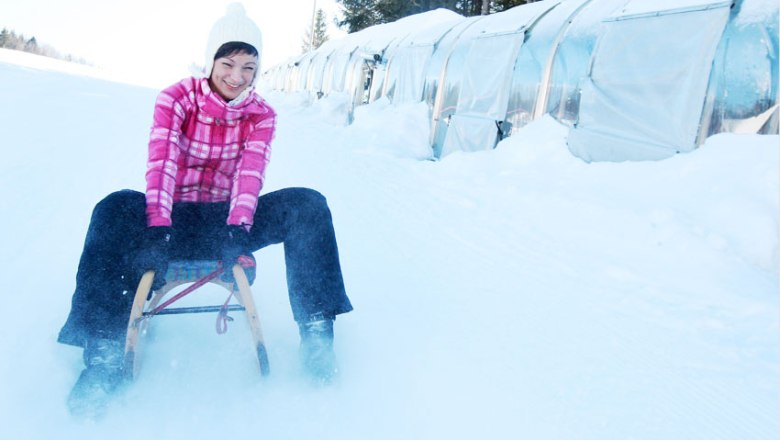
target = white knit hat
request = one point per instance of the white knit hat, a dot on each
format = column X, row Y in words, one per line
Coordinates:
column 234, row 26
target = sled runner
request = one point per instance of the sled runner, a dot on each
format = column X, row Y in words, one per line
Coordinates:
column 145, row 305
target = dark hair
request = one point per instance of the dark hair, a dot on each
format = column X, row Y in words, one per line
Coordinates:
column 234, row 47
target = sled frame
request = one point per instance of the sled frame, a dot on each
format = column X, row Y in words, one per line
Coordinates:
column 185, row 272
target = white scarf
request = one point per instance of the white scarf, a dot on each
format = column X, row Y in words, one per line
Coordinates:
column 242, row 97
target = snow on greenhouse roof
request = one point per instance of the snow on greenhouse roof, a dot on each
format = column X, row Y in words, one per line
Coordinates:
column 514, row 19
column 637, row 8
column 431, row 33
column 379, row 36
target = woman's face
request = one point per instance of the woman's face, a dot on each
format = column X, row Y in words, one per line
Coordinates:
column 232, row 74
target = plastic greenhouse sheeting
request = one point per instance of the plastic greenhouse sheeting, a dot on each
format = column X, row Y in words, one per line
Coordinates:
column 572, row 58
column 409, row 67
column 484, row 93
column 405, row 76
column 486, row 76
column 644, row 95
column 742, row 97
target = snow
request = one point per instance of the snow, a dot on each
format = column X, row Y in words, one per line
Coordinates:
column 641, row 7
column 513, row 293
column 757, row 11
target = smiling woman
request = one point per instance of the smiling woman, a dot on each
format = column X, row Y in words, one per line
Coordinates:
column 209, row 147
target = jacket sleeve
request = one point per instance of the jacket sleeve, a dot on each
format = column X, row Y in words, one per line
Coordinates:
column 164, row 151
column 250, row 173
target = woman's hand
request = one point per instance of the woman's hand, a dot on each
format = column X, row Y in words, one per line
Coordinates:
column 154, row 254
column 235, row 244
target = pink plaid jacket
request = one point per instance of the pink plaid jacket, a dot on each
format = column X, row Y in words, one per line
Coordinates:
column 202, row 150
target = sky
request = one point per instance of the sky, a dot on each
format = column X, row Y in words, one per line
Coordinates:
column 154, row 42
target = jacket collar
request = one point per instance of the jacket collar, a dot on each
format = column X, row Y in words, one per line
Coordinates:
column 214, row 105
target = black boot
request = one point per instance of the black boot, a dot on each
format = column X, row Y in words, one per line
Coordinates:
column 100, row 379
column 317, row 355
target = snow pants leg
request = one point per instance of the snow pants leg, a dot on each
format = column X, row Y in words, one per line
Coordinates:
column 104, row 288
column 297, row 217
column 301, row 219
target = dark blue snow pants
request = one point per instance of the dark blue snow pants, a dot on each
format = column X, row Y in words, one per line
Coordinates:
column 106, row 282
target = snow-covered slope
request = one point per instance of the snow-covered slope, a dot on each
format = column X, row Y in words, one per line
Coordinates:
column 515, row 293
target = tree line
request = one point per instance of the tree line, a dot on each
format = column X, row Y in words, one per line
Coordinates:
column 9, row 39
column 360, row 14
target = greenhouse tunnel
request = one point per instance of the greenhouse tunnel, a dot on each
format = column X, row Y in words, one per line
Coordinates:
column 632, row 79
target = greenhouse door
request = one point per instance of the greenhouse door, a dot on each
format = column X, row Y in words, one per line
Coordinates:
column 644, row 95
column 484, row 93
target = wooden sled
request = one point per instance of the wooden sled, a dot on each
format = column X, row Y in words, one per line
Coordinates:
column 145, row 306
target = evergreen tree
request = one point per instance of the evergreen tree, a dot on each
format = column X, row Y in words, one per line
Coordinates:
column 503, row 5
column 31, row 46
column 388, row 11
column 318, row 35
column 358, row 14
column 320, row 29
column 5, row 37
column 17, row 41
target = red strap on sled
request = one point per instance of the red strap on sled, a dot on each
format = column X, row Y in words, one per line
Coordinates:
column 222, row 316
column 197, row 284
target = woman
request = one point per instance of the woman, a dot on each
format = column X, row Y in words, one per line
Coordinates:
column 208, row 150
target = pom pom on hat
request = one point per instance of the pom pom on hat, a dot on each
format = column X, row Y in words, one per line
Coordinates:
column 234, row 26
